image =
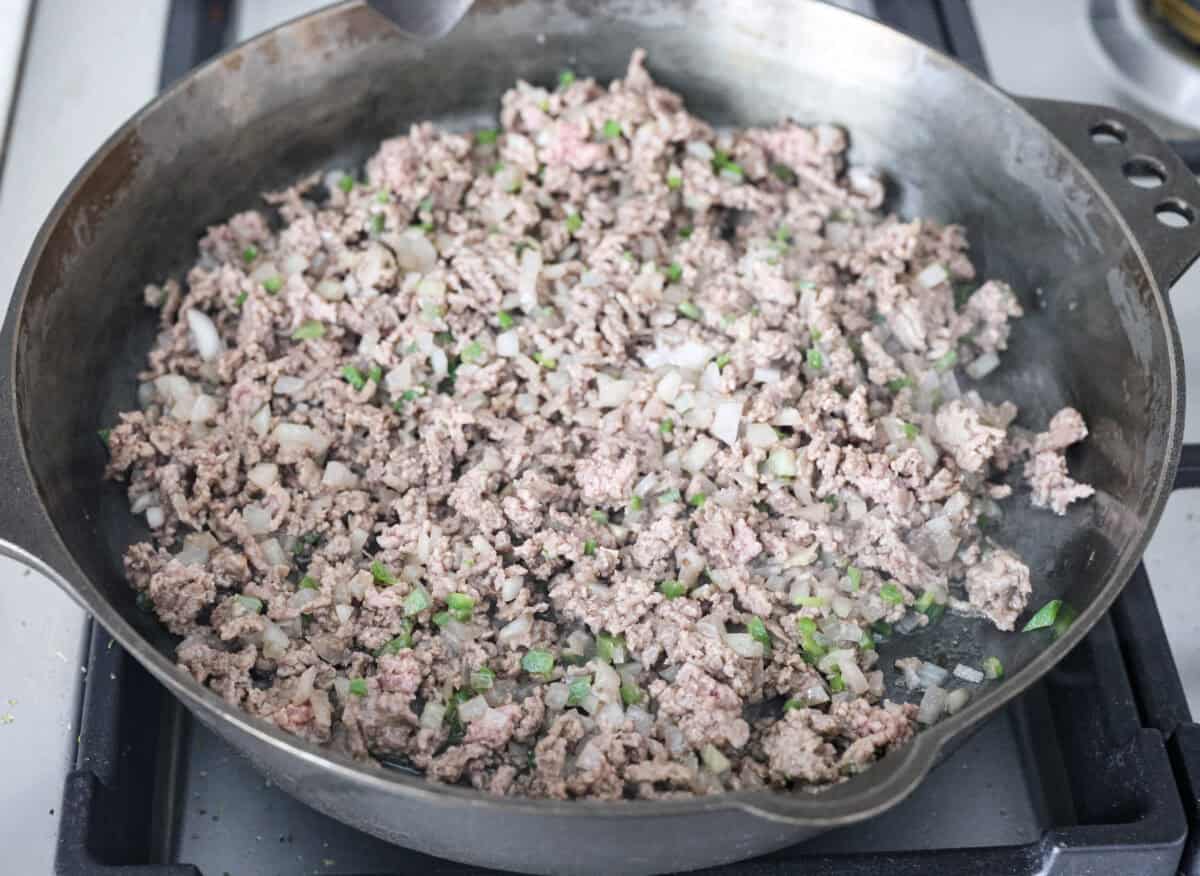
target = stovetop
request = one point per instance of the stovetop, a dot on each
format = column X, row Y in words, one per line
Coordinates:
column 1096, row 769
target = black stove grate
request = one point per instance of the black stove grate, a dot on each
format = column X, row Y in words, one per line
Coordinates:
column 1096, row 769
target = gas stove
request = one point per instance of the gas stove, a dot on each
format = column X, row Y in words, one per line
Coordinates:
column 1096, row 769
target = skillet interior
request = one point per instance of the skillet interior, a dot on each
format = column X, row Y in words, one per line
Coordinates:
column 1097, row 333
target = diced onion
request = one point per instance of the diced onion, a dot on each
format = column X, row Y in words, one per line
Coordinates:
column 691, row 565
column 439, row 362
column 205, row 337
column 155, row 517
column 289, row 385
column 531, row 266
column 611, row 716
column 834, row 659
column 842, row 606
column 360, row 583
column 684, row 402
column 196, row 548
column 511, row 588
column 815, row 695
column 257, row 518
column 431, row 292
column 399, row 378
column 295, row 263
column 414, row 252
column 263, row 475
column 933, row 703
column 932, row 675
column 643, row 721
column 606, row 683
column 473, row 709
column 557, row 695
column 761, row 435
column 968, row 673
column 948, row 384
column 176, row 390
column 261, row 421
column 508, row 344
column 275, row 641
column 698, row 455
column 266, row 270
column 875, row 684
column 338, row 476
column 983, row 366
column 293, row 436
column 855, row 681
column 331, row 290
column 782, row 462
column 675, row 740
column 578, row 642
column 956, row 699
column 711, row 627
column 909, row 667
column 934, row 275
column 766, row 375
column 926, row 449
column 744, row 645
column 894, row 429
column 727, row 420
column 139, row 504
column 432, row 715
column 668, row 387
column 714, row 761
column 646, row 484
column 691, row 356
column 274, row 552
column 788, row 417
column 514, row 630
column 612, row 392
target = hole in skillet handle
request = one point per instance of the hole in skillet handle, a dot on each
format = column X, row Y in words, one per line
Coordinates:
column 1108, row 133
column 1144, row 172
column 1175, row 213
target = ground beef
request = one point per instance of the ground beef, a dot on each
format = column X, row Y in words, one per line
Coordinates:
column 1046, row 470
column 583, row 457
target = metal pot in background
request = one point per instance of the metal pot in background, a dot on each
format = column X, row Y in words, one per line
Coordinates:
column 1041, row 186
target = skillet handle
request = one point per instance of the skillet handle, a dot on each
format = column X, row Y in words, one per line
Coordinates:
column 427, row 20
column 26, row 533
column 1118, row 148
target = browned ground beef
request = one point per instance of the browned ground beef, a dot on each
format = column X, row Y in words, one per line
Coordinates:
column 536, row 457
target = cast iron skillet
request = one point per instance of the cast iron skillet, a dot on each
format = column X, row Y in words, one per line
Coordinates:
column 1049, row 210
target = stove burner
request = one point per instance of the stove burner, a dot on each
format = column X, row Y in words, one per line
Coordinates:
column 1151, row 54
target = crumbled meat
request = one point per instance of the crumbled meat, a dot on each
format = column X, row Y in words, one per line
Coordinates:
column 1046, row 470
column 999, row 586
column 551, row 460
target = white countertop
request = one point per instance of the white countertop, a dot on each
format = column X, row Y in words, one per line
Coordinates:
column 89, row 66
